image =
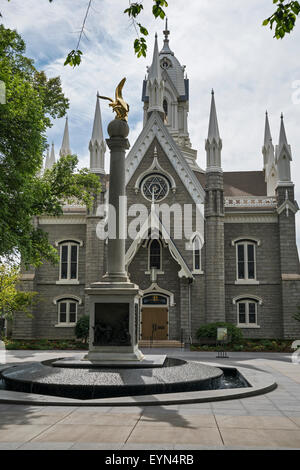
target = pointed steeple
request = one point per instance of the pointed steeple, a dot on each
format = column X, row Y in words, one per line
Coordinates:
column 268, row 148
column 50, row 159
column 97, row 144
column 155, row 70
column 47, row 160
column 283, row 155
column 268, row 136
column 166, row 48
column 65, row 146
column 155, row 83
column 282, row 133
column 213, row 128
column 213, row 144
column 269, row 159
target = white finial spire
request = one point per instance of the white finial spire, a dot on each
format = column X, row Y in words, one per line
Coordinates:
column 166, row 48
column 155, row 70
column 50, row 160
column 155, row 82
column 269, row 160
column 282, row 134
column 213, row 128
column 213, row 145
column 65, row 146
column 268, row 136
column 267, row 149
column 47, row 160
column 97, row 144
column 283, row 156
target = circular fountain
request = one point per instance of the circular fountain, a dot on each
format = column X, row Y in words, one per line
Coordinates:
column 52, row 378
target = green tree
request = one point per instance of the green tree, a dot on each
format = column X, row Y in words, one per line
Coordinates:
column 31, row 101
column 11, row 299
column 82, row 328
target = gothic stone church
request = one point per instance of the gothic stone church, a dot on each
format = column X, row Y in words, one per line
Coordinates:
column 241, row 265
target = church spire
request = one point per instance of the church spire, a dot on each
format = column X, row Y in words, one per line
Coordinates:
column 155, row 70
column 47, row 160
column 155, row 82
column 97, row 144
column 65, row 146
column 50, row 159
column 283, row 156
column 166, row 48
column 282, row 134
column 268, row 148
column 213, row 128
column 213, row 144
column 268, row 136
column 269, row 159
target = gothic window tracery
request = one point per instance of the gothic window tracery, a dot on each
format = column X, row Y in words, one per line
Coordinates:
column 155, row 187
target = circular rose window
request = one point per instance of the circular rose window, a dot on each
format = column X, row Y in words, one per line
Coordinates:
column 155, row 187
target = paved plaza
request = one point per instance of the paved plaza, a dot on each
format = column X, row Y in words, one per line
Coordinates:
column 270, row 421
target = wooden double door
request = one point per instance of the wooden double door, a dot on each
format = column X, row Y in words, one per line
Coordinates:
column 155, row 323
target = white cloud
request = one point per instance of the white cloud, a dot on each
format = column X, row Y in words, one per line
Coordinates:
column 222, row 44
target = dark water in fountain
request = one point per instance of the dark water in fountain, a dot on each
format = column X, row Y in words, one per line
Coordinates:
column 232, row 379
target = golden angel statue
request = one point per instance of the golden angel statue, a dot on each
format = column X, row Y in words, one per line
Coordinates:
column 119, row 106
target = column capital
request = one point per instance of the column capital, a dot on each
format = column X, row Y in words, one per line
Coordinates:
column 115, row 143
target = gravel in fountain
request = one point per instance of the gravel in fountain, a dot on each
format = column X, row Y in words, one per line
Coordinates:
column 174, row 376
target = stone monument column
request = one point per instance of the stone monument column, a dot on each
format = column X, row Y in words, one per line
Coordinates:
column 118, row 131
column 114, row 301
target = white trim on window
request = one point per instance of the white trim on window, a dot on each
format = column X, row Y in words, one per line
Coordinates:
column 67, row 296
column 198, row 239
column 246, row 312
column 246, row 296
column 64, row 240
column 245, row 243
column 245, row 238
column 68, row 302
column 158, row 271
column 68, row 280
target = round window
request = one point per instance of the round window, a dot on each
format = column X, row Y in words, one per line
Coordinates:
column 155, row 187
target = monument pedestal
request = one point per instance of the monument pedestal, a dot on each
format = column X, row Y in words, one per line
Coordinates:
column 114, row 313
column 114, row 323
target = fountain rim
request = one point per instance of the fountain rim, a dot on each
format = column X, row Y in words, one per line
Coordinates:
column 261, row 382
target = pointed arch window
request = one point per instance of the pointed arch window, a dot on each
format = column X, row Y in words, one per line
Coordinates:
column 165, row 106
column 155, row 258
column 197, row 254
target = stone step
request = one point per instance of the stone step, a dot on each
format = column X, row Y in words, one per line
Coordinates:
column 160, row 344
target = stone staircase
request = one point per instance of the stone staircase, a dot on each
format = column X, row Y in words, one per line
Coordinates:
column 144, row 343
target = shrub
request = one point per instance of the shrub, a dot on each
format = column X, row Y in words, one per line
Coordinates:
column 82, row 328
column 209, row 330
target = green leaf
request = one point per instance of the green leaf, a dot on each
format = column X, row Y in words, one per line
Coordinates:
column 73, row 58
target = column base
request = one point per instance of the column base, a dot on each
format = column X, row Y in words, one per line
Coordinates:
column 108, row 356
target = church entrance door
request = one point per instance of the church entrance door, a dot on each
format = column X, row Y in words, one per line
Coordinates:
column 155, row 323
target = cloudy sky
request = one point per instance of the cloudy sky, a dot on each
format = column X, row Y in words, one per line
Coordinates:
column 222, row 44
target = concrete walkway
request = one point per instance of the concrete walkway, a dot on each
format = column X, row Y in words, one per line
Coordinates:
column 269, row 421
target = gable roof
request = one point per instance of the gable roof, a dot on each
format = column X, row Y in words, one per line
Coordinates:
column 153, row 223
column 155, row 127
